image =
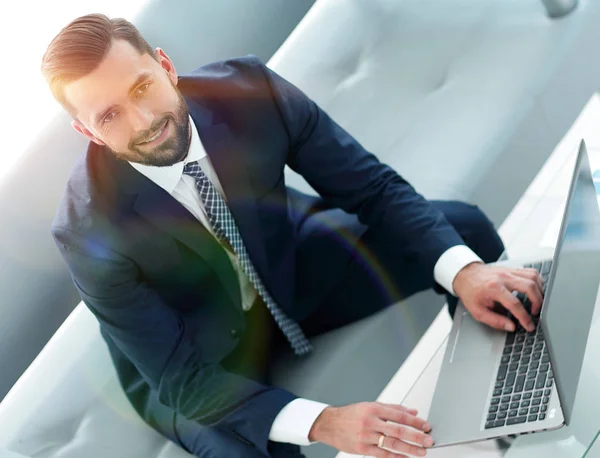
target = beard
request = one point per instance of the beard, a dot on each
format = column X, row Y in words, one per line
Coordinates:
column 171, row 150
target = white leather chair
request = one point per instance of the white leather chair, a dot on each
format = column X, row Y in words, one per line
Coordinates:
column 465, row 98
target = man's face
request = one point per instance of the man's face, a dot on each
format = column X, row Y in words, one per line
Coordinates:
column 127, row 101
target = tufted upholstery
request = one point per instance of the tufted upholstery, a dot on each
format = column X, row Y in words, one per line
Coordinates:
column 465, row 98
column 461, row 96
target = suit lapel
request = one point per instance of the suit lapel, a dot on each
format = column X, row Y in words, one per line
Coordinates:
column 163, row 210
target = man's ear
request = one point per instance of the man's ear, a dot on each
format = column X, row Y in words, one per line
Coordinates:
column 165, row 62
column 79, row 127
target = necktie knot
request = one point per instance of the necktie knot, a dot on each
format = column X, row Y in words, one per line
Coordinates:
column 193, row 169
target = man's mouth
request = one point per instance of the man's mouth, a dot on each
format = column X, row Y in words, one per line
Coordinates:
column 156, row 135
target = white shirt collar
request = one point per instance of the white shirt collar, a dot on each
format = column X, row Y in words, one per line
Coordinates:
column 168, row 177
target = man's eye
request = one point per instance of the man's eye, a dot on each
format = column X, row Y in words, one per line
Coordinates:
column 143, row 88
column 109, row 117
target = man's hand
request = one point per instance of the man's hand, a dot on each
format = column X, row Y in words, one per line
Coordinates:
column 481, row 287
column 357, row 429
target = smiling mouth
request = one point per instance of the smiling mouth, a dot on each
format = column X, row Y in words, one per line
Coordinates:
column 156, row 135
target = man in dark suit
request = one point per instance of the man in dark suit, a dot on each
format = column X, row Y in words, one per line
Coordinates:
column 184, row 241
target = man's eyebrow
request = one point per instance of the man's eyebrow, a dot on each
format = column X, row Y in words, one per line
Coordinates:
column 142, row 76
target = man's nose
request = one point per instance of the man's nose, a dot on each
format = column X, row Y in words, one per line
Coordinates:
column 141, row 119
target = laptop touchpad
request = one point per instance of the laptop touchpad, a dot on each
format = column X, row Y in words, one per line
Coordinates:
column 473, row 339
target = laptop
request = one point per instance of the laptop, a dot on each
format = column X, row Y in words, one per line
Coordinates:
column 493, row 383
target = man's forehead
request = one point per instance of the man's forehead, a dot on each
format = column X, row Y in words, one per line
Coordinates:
column 110, row 81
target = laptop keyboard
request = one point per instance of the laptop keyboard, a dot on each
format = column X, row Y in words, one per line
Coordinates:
column 524, row 379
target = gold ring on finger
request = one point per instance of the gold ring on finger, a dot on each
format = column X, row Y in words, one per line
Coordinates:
column 381, row 439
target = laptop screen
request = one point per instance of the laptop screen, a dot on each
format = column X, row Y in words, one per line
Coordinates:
column 573, row 284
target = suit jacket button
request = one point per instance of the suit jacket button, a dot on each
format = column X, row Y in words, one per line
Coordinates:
column 234, row 333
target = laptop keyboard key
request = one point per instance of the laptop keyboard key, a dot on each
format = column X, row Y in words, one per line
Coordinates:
column 494, row 424
column 525, row 403
column 515, row 421
column 547, row 392
column 529, row 340
column 541, row 381
column 529, row 385
column 542, row 416
column 514, row 405
column 546, row 267
column 505, row 359
column 523, row 412
column 544, row 408
column 545, row 400
column 535, row 409
column 527, row 396
column 493, row 409
column 503, row 407
column 513, row 367
column 502, row 372
column 510, row 338
column 532, row 418
column 519, row 387
column 491, row 417
column 510, row 379
column 512, row 414
column 495, row 401
column 536, row 402
column 507, row 390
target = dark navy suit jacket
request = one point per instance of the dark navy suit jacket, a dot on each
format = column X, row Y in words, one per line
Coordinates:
column 164, row 291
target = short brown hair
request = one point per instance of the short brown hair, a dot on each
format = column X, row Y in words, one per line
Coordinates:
column 81, row 46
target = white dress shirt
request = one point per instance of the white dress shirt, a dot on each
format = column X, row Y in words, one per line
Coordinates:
column 294, row 421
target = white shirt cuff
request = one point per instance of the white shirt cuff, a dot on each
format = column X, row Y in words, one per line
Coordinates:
column 294, row 421
column 451, row 262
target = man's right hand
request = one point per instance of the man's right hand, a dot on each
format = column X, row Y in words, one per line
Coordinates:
column 357, row 429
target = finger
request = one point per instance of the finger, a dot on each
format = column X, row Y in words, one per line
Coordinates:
column 396, row 445
column 514, row 305
column 405, row 434
column 531, row 289
column 381, row 453
column 494, row 320
column 407, row 409
column 403, row 418
column 533, row 275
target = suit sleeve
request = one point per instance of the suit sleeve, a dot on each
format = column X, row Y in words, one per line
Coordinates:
column 351, row 178
column 155, row 338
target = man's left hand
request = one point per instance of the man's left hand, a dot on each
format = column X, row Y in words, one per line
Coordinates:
column 481, row 287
